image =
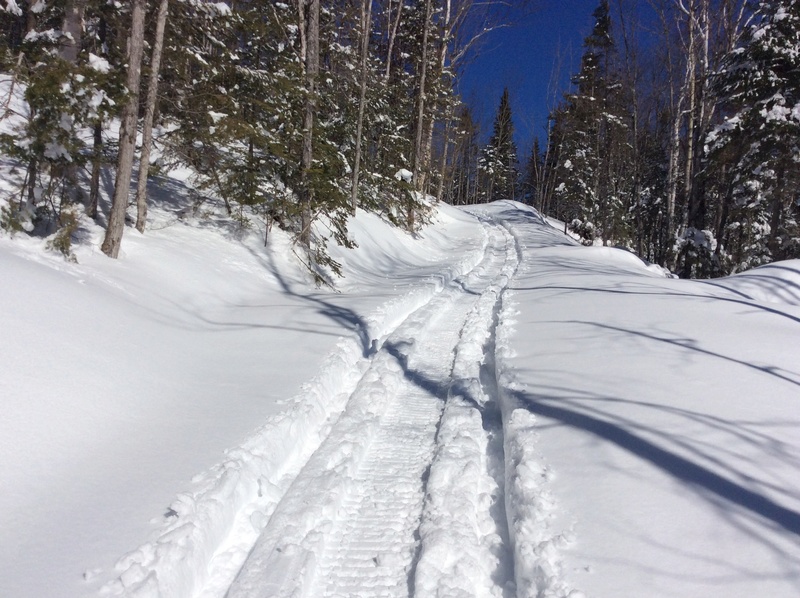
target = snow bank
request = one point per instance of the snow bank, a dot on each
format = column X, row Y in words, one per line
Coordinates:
column 254, row 476
column 651, row 424
column 131, row 376
column 773, row 283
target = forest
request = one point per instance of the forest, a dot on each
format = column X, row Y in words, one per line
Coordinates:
column 679, row 138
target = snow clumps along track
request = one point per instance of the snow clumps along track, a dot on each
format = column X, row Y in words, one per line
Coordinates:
column 356, row 520
column 464, row 533
column 530, row 506
column 209, row 531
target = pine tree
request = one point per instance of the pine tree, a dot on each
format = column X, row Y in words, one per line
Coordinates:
column 759, row 140
column 592, row 140
column 498, row 164
column 67, row 87
column 255, row 98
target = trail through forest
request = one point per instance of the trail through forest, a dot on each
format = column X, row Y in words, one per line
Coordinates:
column 486, row 409
column 350, row 523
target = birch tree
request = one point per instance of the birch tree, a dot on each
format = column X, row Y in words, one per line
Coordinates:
column 149, row 112
column 311, row 43
column 418, row 180
column 127, row 134
column 366, row 27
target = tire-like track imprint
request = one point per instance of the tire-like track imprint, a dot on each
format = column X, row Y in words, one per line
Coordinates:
column 349, row 525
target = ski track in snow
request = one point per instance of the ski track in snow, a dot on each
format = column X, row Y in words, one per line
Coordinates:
column 404, row 495
column 210, row 531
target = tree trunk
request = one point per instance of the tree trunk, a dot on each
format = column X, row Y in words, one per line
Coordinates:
column 127, row 133
column 722, row 223
column 73, row 27
column 417, row 179
column 442, row 59
column 443, row 170
column 312, row 71
column 302, row 28
column 773, row 242
column 704, row 108
column 366, row 26
column 691, row 96
column 94, row 186
column 393, row 37
column 149, row 113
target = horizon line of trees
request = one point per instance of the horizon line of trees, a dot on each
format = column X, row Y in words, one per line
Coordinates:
column 680, row 137
column 289, row 111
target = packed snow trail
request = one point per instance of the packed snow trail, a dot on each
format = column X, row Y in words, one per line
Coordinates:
column 349, row 525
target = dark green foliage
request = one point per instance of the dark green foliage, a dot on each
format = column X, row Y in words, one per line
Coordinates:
column 758, row 143
column 498, row 164
column 63, row 98
column 231, row 106
column 591, row 178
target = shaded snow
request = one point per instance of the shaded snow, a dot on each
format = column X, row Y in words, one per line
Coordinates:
column 124, row 379
column 664, row 416
column 159, row 406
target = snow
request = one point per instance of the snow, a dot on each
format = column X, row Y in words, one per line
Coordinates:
column 661, row 418
column 130, row 377
column 216, row 116
column 222, row 9
column 13, row 8
column 484, row 409
column 98, row 63
column 404, row 175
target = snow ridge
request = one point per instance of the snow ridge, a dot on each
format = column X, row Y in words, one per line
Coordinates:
column 530, row 506
column 464, row 535
column 349, row 524
column 209, row 531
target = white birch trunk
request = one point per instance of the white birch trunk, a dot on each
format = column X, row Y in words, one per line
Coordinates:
column 150, row 110
column 312, row 70
column 418, row 177
column 127, row 133
column 366, row 26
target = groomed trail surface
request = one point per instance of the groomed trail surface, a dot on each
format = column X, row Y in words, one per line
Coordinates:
column 372, row 511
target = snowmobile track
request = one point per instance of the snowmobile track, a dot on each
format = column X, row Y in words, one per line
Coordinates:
column 349, row 525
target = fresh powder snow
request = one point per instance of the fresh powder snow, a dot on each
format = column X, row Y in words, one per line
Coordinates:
column 488, row 409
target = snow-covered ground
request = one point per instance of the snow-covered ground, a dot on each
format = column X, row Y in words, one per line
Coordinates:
column 123, row 380
column 488, row 409
column 657, row 423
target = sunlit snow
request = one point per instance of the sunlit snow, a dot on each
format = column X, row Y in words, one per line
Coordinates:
column 575, row 421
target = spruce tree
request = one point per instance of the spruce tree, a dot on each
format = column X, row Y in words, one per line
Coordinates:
column 498, row 162
column 592, row 146
column 759, row 140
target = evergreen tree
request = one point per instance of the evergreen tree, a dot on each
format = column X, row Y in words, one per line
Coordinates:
column 498, row 162
column 68, row 86
column 254, row 97
column 592, row 145
column 759, row 140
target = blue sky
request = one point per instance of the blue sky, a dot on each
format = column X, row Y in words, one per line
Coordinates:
column 524, row 57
